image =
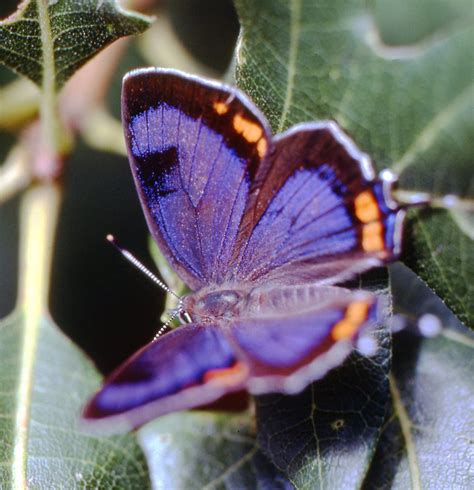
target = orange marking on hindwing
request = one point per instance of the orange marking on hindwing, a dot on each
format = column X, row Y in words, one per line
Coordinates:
column 355, row 315
column 366, row 207
column 235, row 374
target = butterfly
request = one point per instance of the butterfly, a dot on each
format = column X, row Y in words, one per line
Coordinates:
column 261, row 229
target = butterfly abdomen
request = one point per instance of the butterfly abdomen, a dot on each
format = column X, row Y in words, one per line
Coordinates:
column 290, row 299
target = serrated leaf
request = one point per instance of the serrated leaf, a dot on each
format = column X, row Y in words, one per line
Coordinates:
column 398, row 80
column 197, row 451
column 326, row 436
column 63, row 34
column 44, row 382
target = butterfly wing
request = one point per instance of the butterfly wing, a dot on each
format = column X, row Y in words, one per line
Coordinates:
column 284, row 352
column 318, row 214
column 194, row 147
column 195, row 365
column 188, row 367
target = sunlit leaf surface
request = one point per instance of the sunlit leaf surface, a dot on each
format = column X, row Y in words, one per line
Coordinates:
column 428, row 434
column 434, row 405
column 44, row 382
column 65, row 34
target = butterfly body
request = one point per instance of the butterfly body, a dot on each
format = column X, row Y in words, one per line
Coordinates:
column 262, row 230
column 209, row 306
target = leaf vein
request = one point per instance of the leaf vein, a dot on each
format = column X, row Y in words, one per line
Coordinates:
column 295, row 20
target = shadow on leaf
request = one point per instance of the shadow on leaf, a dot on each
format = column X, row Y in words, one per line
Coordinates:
column 328, row 433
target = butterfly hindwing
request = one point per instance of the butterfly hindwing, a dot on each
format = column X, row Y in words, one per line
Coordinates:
column 286, row 351
column 190, row 366
column 194, row 147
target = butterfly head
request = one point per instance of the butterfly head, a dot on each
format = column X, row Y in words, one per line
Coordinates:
column 209, row 306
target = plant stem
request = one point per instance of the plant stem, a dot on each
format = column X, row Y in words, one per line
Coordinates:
column 38, row 219
column 14, row 173
column 447, row 201
column 48, row 101
column 39, row 213
column 19, row 101
column 103, row 132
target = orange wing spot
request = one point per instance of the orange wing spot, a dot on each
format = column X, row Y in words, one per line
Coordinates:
column 251, row 131
column 262, row 147
column 372, row 237
column 355, row 316
column 235, row 374
column 366, row 207
column 220, row 107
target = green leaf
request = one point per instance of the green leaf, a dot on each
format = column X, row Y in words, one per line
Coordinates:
column 398, row 77
column 442, row 253
column 201, row 450
column 62, row 33
column 427, row 437
column 45, row 381
column 427, row 440
column 326, row 436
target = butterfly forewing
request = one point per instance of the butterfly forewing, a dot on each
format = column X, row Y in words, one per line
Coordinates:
column 320, row 214
column 194, row 148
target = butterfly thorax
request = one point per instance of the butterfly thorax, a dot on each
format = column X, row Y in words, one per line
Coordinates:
column 208, row 306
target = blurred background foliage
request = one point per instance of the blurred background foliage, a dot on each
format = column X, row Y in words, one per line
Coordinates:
column 96, row 297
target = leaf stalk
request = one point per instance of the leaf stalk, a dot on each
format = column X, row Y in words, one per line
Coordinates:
column 38, row 218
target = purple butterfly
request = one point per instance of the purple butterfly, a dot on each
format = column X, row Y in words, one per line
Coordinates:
column 261, row 229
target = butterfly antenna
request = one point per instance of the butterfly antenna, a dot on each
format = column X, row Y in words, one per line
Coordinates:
column 111, row 239
column 163, row 329
column 167, row 325
column 178, row 311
